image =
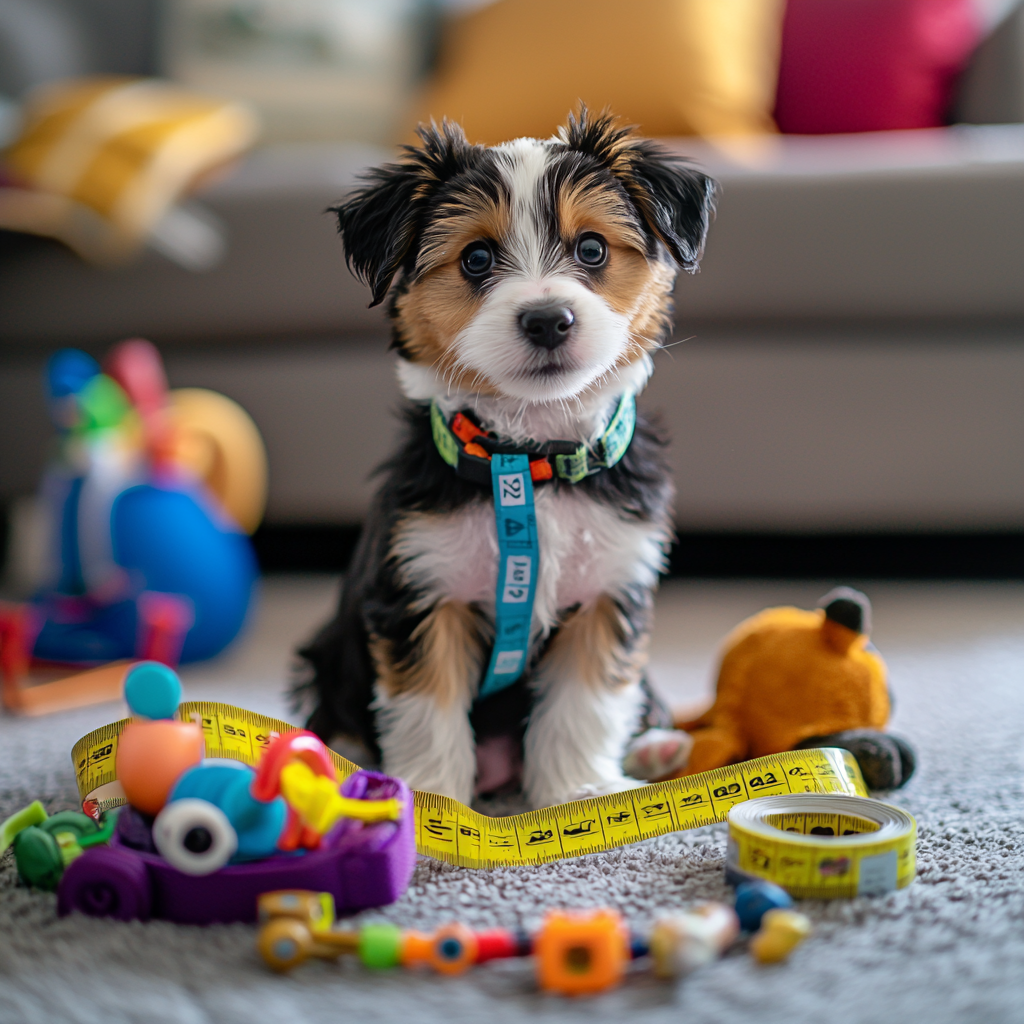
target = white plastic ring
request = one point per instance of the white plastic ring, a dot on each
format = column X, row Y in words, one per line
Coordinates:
column 194, row 836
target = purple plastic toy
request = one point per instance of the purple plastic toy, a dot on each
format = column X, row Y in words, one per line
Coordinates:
column 361, row 865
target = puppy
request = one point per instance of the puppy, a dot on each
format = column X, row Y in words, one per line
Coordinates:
column 529, row 284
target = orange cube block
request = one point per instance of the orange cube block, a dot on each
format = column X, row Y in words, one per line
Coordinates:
column 581, row 952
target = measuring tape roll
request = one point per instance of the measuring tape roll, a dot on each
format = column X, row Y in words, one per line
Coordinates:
column 822, row 846
column 453, row 832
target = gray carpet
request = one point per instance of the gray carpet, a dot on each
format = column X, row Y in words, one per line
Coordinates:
column 949, row 948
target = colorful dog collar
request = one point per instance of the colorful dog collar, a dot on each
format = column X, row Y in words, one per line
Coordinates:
column 468, row 449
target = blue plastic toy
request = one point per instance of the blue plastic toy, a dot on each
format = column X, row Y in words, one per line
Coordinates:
column 754, row 899
column 258, row 825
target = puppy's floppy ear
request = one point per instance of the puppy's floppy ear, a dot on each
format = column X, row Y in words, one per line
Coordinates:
column 380, row 222
column 675, row 200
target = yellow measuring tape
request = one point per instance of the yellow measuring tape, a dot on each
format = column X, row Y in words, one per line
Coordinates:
column 823, row 846
column 450, row 831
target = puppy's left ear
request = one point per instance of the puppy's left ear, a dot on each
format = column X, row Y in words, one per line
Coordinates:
column 380, row 222
column 675, row 199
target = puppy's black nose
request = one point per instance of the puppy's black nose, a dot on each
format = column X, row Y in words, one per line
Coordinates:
column 547, row 326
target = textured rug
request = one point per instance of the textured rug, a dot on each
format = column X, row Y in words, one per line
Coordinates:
column 949, row 948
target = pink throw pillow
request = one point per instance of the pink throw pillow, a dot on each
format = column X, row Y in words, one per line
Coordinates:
column 871, row 65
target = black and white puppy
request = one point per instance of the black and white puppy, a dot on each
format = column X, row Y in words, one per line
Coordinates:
column 532, row 282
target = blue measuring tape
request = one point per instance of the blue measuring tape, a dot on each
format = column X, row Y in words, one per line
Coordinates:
column 516, row 521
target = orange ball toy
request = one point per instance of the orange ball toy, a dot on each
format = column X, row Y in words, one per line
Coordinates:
column 151, row 757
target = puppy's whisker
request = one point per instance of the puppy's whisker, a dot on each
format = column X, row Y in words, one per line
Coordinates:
column 672, row 344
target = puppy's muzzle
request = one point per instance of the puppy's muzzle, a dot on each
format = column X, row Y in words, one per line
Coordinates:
column 547, row 326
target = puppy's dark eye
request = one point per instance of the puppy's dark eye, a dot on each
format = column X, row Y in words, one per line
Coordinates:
column 591, row 250
column 477, row 259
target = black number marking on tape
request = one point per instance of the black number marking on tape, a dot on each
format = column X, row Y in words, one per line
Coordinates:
column 540, row 836
column 511, row 488
column 580, row 828
column 834, row 867
column 653, row 811
column 437, row 828
column 733, row 789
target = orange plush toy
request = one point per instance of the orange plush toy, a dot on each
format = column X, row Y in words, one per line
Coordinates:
column 791, row 678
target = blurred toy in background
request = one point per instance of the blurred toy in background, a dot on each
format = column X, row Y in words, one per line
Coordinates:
column 792, row 679
column 201, row 839
column 102, row 165
column 148, row 499
column 682, row 942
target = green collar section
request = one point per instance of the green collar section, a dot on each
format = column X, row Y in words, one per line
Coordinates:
column 574, row 466
column 611, row 445
column 447, row 444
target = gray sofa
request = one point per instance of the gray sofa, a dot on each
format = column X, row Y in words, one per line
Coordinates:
column 850, row 357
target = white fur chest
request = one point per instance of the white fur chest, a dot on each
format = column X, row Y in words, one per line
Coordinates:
column 586, row 549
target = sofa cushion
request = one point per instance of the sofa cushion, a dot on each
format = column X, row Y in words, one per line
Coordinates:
column 675, row 67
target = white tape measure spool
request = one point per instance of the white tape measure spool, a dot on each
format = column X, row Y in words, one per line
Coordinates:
column 822, row 845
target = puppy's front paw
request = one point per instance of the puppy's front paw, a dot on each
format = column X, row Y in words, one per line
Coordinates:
column 657, row 754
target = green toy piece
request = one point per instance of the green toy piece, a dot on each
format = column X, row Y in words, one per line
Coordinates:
column 380, row 945
column 44, row 845
column 102, row 404
column 40, row 859
column 34, row 814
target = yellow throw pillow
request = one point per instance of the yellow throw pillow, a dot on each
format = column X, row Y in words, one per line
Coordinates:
column 673, row 67
column 99, row 161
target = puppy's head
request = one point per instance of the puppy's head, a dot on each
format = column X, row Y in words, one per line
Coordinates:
column 532, row 269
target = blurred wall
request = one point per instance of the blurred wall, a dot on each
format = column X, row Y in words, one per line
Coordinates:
column 46, row 39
